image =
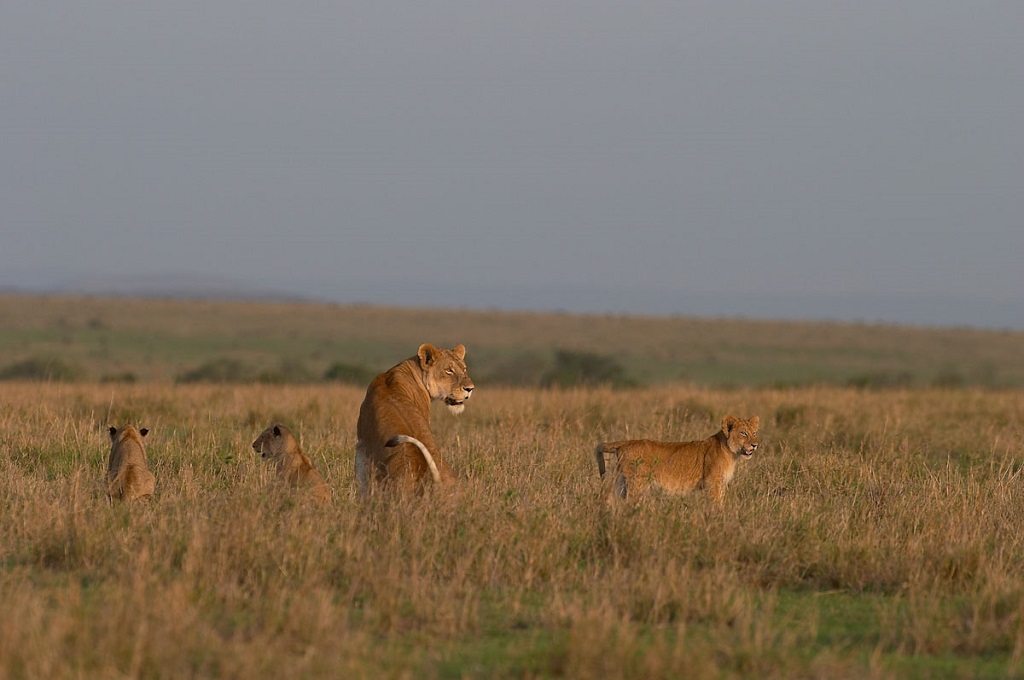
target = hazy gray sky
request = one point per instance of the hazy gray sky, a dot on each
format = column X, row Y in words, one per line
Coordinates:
column 855, row 160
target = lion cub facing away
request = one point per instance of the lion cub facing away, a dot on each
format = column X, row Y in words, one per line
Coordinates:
column 293, row 467
column 680, row 467
column 128, row 476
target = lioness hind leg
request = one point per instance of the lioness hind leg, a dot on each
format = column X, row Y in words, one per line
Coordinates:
column 362, row 469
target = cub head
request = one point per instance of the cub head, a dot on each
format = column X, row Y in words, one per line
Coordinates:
column 127, row 432
column 741, row 435
column 445, row 375
column 274, row 442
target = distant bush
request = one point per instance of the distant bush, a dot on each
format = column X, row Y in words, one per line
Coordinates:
column 986, row 374
column 42, row 368
column 949, row 378
column 585, row 369
column 289, row 371
column 228, row 370
column 222, row 370
column 882, row 380
column 525, row 370
column 127, row 377
column 350, row 374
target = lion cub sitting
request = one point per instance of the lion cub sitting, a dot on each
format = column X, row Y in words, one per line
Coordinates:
column 293, row 467
column 128, row 476
column 680, row 467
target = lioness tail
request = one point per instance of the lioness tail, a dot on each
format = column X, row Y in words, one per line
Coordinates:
column 406, row 439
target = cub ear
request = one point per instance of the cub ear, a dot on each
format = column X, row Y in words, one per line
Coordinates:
column 728, row 423
column 755, row 422
column 460, row 352
column 144, row 431
column 427, row 354
column 277, row 430
column 113, row 431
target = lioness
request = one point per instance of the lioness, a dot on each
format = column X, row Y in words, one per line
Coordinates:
column 680, row 467
column 128, row 476
column 293, row 467
column 394, row 442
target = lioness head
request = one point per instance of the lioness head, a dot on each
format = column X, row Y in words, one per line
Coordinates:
column 445, row 375
column 274, row 442
column 741, row 435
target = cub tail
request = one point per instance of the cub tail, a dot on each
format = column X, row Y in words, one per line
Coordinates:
column 599, row 453
column 405, row 439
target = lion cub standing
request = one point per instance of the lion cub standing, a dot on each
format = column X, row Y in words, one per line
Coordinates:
column 128, row 476
column 394, row 442
column 293, row 467
column 680, row 467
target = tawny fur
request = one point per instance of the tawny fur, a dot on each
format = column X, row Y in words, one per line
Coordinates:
column 398, row 403
column 278, row 444
column 428, row 458
column 128, row 476
column 681, row 467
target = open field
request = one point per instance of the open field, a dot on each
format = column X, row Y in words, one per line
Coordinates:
column 874, row 534
column 165, row 340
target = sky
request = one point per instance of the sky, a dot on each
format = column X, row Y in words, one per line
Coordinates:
column 852, row 161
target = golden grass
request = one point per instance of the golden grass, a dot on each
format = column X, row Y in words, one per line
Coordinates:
column 872, row 535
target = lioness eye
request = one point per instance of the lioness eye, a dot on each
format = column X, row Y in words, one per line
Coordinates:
column 449, row 371
column 744, row 434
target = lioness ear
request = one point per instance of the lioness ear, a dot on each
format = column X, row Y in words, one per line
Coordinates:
column 728, row 423
column 113, row 431
column 755, row 422
column 426, row 354
column 144, row 431
column 277, row 430
column 460, row 352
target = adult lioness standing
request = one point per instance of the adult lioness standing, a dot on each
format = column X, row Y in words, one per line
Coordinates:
column 680, row 467
column 394, row 442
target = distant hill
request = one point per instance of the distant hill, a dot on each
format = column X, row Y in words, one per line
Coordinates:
column 160, row 339
column 171, row 286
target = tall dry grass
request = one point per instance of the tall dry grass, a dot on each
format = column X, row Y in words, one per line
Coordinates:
column 903, row 506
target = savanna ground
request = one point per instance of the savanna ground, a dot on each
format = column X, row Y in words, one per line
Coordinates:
column 876, row 533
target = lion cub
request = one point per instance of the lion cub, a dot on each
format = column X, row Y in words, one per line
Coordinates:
column 128, row 476
column 680, row 467
column 293, row 467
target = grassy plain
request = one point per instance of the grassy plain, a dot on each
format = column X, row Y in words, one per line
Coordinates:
column 876, row 533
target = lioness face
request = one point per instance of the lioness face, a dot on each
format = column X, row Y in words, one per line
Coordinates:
column 445, row 375
column 741, row 434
